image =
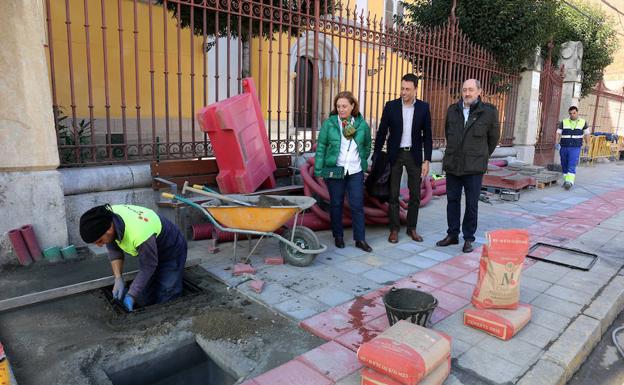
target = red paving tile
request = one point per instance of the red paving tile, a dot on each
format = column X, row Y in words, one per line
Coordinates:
column 328, row 325
column 449, row 270
column 362, row 309
column 460, row 289
column 293, row 372
column 449, row 301
column 357, row 337
column 332, row 360
column 408, row 283
column 470, row 278
column 431, row 278
column 438, row 315
column 465, row 261
column 380, row 323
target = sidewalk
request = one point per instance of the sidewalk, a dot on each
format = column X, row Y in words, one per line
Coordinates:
column 338, row 297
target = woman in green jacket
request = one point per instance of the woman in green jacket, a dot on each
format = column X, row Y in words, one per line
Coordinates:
column 342, row 150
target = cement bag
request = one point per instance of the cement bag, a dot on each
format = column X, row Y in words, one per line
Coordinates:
column 500, row 323
column 437, row 376
column 498, row 285
column 406, row 352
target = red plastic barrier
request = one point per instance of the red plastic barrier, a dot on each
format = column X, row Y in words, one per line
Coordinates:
column 28, row 233
column 240, row 143
column 19, row 245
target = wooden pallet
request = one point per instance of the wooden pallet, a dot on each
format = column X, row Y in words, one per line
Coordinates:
column 541, row 185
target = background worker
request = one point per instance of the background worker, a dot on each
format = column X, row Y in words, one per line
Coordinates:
column 138, row 232
column 571, row 134
column 406, row 124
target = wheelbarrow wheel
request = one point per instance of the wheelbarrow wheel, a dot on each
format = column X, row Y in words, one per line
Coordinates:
column 305, row 239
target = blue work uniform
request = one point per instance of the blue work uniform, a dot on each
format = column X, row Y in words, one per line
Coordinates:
column 571, row 132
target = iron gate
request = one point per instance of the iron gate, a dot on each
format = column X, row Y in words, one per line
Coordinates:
column 551, row 85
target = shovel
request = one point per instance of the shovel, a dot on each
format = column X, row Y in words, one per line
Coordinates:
column 213, row 194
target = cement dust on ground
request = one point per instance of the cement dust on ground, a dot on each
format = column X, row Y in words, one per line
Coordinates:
column 77, row 339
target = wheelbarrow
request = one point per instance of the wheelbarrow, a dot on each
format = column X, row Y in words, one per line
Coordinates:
column 242, row 215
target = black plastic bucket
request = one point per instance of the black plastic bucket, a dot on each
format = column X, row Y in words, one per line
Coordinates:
column 409, row 304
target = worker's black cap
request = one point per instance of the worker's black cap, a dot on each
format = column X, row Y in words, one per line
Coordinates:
column 95, row 222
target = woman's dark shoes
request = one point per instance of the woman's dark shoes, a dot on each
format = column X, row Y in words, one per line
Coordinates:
column 363, row 245
column 339, row 242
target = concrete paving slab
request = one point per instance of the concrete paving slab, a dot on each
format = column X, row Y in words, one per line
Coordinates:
column 412, row 247
column 330, row 295
column 545, row 372
column 528, row 295
column 300, row 308
column 574, row 344
column 606, row 307
column 436, row 255
column 537, row 335
column 534, row 284
column 354, row 267
column 543, row 274
column 381, row 276
column 570, row 295
column 489, row 365
column 549, row 320
column 371, row 260
column 392, row 253
column 557, row 305
column 331, row 258
column 515, row 350
column 400, row 268
column 459, row 347
column 420, row 262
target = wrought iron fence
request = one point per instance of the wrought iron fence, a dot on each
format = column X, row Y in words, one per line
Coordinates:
column 128, row 76
column 603, row 109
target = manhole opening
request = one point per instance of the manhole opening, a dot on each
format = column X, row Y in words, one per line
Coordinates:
column 189, row 288
column 187, row 364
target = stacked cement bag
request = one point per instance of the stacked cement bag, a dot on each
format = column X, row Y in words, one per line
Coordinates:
column 496, row 297
column 406, row 354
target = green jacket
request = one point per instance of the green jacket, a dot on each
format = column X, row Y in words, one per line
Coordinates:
column 469, row 146
column 328, row 143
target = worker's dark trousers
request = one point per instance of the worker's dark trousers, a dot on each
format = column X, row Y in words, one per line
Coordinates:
column 166, row 283
column 471, row 184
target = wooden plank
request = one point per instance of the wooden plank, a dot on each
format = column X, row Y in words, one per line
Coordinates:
column 183, row 167
column 210, row 180
column 63, row 291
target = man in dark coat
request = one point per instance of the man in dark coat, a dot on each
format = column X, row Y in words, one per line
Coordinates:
column 406, row 122
column 472, row 133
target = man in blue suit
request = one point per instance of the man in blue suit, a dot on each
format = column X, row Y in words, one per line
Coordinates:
column 406, row 124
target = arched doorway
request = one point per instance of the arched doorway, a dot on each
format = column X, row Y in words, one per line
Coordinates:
column 303, row 92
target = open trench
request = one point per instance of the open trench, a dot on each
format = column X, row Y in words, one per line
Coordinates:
column 211, row 335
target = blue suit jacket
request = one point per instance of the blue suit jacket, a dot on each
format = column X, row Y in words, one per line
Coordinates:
column 391, row 127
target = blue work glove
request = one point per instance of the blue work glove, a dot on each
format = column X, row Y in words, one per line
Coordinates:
column 118, row 288
column 557, row 147
column 128, row 302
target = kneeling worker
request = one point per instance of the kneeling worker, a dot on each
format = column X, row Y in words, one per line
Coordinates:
column 138, row 232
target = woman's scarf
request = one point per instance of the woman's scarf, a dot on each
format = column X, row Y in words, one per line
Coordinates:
column 348, row 129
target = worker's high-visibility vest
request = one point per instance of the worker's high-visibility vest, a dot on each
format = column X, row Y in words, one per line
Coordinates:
column 572, row 133
column 140, row 224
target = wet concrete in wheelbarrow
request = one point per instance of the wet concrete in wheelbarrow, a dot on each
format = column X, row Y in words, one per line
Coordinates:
column 81, row 338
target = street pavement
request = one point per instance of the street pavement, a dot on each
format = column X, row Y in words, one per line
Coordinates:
column 338, row 297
